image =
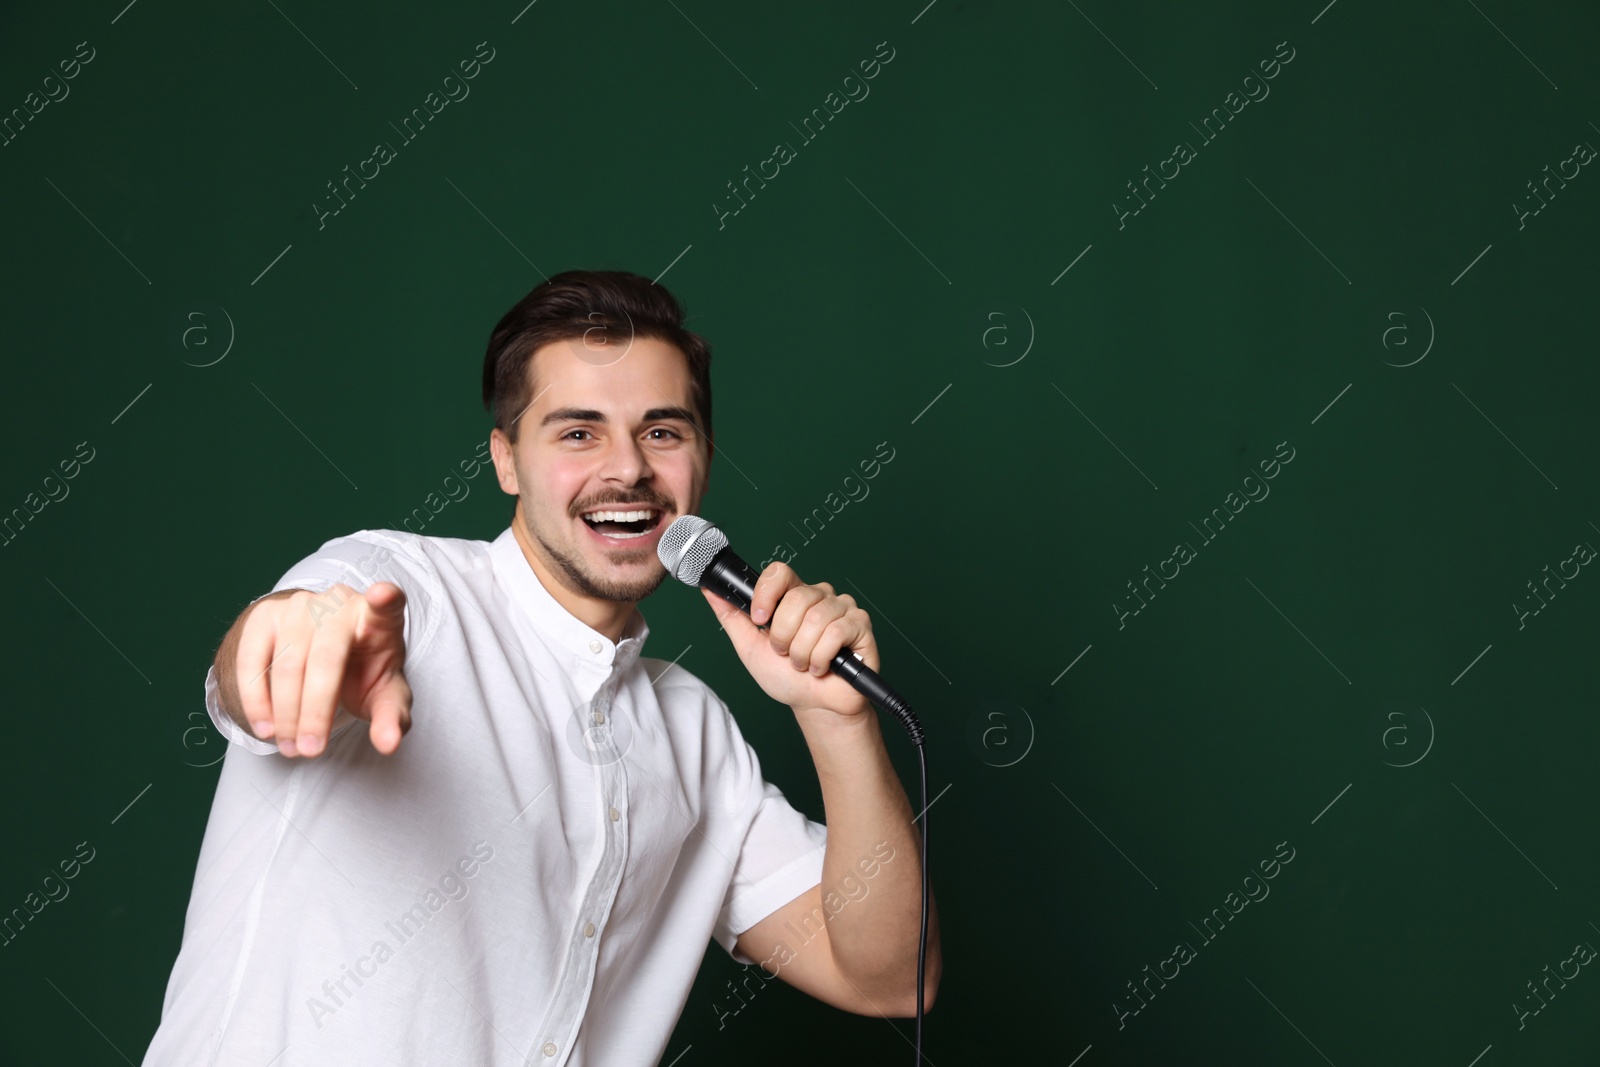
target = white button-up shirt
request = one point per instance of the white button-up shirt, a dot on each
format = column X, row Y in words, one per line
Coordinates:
column 531, row 878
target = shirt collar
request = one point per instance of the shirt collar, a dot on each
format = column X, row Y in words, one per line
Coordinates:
column 562, row 630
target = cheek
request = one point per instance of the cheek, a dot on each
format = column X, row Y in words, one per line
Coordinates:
column 685, row 486
column 553, row 483
column 682, row 476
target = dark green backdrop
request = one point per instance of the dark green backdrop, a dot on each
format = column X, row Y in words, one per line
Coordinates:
column 1348, row 271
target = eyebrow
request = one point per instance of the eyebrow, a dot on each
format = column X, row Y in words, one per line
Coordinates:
column 590, row 415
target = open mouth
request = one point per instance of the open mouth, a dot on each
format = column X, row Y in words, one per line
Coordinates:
column 623, row 524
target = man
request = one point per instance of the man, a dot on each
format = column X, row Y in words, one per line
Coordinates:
column 521, row 854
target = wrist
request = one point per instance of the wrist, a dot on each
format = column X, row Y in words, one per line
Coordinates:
column 828, row 726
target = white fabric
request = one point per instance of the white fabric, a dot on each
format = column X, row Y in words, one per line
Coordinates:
column 450, row 886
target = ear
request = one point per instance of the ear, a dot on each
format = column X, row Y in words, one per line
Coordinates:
column 504, row 468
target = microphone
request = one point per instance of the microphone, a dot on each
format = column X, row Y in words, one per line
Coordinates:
column 696, row 552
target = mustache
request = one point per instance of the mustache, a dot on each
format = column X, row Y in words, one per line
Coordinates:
column 646, row 498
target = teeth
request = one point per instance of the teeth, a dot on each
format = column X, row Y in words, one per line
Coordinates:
column 619, row 516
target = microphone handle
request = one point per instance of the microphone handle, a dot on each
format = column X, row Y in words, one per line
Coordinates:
column 732, row 579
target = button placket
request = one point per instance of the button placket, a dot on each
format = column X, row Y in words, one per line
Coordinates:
column 576, row 980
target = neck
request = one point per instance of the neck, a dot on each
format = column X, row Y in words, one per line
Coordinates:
column 609, row 617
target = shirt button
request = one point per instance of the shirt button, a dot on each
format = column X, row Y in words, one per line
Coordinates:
column 588, row 929
column 595, row 645
column 615, row 814
column 549, row 1048
column 599, row 717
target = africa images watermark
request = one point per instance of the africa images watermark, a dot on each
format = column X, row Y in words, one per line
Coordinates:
column 455, row 488
column 1000, row 732
column 1184, row 553
column 1582, row 955
column 1185, row 953
column 854, row 890
column 1582, row 554
column 456, row 90
column 34, row 903
column 33, row 105
column 1184, row 153
column 1583, row 154
column 855, row 490
column 784, row 153
column 453, row 886
column 55, row 490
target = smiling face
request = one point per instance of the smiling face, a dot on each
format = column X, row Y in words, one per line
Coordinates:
column 607, row 455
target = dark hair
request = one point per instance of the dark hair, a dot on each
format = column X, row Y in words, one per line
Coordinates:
column 570, row 305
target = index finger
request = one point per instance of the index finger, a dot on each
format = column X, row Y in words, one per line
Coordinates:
column 390, row 708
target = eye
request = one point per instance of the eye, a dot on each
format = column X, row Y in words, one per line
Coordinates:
column 568, row 435
column 672, row 434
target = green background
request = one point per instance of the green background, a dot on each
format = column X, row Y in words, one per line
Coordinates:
column 1360, row 617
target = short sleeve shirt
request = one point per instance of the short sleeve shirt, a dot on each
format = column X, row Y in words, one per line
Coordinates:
column 531, row 878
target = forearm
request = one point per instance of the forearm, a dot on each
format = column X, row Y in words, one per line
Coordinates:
column 874, row 932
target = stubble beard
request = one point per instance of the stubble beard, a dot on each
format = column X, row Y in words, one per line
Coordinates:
column 585, row 582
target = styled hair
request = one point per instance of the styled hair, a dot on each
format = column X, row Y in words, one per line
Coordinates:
column 574, row 304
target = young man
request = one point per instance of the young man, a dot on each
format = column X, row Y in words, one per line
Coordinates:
column 531, row 875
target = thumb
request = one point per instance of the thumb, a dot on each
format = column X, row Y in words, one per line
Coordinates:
column 745, row 635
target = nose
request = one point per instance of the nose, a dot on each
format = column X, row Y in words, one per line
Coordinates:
column 625, row 463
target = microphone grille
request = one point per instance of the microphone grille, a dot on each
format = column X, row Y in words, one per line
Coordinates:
column 688, row 546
